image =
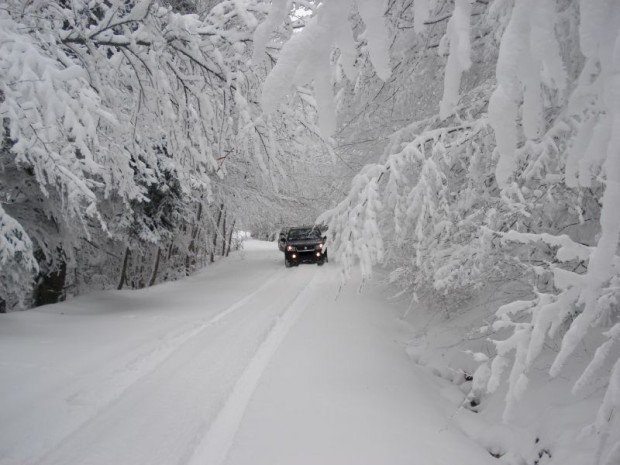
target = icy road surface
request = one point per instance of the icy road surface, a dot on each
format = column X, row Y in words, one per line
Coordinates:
column 245, row 363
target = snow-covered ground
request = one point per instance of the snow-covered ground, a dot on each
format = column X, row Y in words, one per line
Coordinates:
column 550, row 426
column 245, row 362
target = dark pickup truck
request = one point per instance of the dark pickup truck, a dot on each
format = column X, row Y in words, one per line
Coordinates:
column 303, row 245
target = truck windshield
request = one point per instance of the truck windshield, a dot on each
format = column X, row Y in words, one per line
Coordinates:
column 306, row 233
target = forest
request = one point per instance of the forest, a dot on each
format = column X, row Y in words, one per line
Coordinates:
column 466, row 153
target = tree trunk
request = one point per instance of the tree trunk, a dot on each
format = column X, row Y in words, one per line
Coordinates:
column 224, row 234
column 155, row 267
column 50, row 287
column 192, row 245
column 232, row 228
column 215, row 233
column 121, row 282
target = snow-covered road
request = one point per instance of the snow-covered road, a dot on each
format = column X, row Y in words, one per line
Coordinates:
column 245, row 363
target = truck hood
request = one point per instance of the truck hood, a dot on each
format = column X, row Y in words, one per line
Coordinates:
column 304, row 242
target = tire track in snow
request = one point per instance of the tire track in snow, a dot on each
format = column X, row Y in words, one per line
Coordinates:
column 145, row 364
column 122, row 380
column 214, row 448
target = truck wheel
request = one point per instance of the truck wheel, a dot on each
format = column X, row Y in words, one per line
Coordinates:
column 287, row 264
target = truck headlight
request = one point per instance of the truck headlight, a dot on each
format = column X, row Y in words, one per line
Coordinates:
column 290, row 248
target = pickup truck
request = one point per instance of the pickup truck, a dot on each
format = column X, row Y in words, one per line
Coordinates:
column 303, row 245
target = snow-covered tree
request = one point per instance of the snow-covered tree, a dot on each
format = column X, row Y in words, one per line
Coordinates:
column 124, row 121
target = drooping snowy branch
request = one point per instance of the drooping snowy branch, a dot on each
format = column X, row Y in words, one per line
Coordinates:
column 277, row 14
column 306, row 57
column 459, row 59
column 18, row 264
column 528, row 59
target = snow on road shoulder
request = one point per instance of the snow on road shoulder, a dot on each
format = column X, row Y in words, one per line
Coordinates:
column 341, row 390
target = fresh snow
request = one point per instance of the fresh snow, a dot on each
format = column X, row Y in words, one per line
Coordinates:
column 277, row 14
column 306, row 56
column 459, row 60
column 245, row 362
